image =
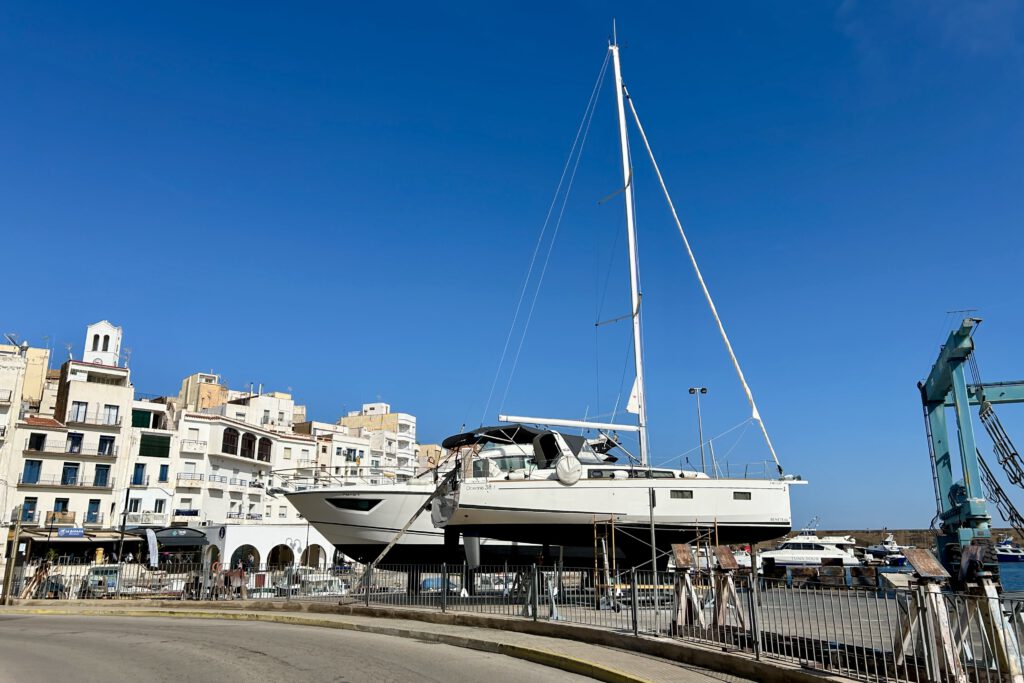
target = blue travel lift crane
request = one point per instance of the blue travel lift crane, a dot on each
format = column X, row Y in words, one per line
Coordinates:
column 965, row 544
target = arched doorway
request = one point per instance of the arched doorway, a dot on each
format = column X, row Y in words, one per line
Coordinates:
column 280, row 556
column 247, row 555
column 212, row 555
column 314, row 556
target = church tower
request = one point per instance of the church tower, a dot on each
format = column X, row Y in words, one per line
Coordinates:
column 102, row 344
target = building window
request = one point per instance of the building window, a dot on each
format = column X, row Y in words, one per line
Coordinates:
column 266, row 416
column 163, row 473
column 264, row 449
column 106, row 445
column 155, row 445
column 69, row 474
column 28, row 509
column 37, row 442
column 106, row 342
column 682, row 494
column 142, row 419
column 269, row 511
column 139, row 475
column 282, row 511
column 280, row 417
column 134, row 504
column 74, row 444
column 159, row 505
column 92, row 514
column 110, row 415
column 305, row 454
column 229, row 444
column 95, row 342
column 741, row 495
column 186, row 503
column 102, row 476
column 78, row 411
column 60, row 505
column 248, row 445
column 30, row 471
column 287, row 452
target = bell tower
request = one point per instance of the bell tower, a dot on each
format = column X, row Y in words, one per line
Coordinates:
column 102, row 344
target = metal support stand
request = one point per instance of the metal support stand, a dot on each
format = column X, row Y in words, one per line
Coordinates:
column 687, row 608
column 927, row 616
column 727, row 600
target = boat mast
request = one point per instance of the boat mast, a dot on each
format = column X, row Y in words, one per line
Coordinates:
column 634, row 275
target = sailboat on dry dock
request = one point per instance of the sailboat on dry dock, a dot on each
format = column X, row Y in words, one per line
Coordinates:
column 565, row 489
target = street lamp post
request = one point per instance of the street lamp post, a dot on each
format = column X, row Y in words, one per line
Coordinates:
column 697, row 391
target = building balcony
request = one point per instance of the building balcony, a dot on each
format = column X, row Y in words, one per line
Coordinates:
column 69, row 448
column 66, row 482
column 93, row 519
column 305, row 463
column 186, row 515
column 216, row 481
column 190, row 479
column 54, row 517
column 240, row 483
column 93, row 420
column 193, row 446
column 236, row 515
column 147, row 518
column 140, row 481
column 5, row 396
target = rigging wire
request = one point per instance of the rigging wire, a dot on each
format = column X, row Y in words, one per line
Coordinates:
column 700, row 278
column 584, row 122
column 585, row 126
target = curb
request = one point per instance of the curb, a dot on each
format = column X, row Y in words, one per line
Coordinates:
column 540, row 656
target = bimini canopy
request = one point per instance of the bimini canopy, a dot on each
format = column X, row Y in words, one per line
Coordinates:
column 508, row 434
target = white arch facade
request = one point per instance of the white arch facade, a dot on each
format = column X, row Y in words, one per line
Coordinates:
column 229, row 537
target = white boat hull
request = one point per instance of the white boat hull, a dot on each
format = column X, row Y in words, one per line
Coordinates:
column 547, row 512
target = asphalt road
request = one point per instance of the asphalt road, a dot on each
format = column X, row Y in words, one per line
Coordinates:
column 39, row 649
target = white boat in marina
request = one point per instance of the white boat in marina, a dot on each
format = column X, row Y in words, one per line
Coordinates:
column 1008, row 551
column 888, row 551
column 362, row 518
column 807, row 549
column 565, row 493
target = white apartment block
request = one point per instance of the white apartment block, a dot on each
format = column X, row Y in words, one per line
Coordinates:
column 392, row 438
column 79, row 452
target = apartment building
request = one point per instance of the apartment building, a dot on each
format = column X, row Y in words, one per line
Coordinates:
column 392, row 437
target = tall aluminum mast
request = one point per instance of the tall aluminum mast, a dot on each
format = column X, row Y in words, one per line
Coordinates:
column 634, row 275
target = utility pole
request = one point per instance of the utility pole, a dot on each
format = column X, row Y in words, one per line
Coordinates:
column 9, row 571
column 697, row 391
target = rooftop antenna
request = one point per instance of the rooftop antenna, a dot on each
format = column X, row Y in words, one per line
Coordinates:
column 70, row 355
column 127, row 355
column 615, row 35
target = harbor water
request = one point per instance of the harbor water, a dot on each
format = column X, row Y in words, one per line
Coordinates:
column 1011, row 575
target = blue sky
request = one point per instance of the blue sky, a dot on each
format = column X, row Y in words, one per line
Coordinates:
column 344, row 201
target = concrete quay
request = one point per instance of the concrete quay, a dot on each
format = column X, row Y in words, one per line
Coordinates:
column 595, row 653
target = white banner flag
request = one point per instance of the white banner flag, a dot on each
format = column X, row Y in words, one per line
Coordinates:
column 633, row 406
column 153, row 557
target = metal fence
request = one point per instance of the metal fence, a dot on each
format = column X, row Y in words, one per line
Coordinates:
column 868, row 633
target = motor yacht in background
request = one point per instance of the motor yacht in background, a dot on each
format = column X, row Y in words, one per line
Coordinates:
column 807, row 549
column 888, row 551
column 1008, row 551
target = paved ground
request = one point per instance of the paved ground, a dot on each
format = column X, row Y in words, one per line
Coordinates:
column 351, row 648
column 104, row 649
